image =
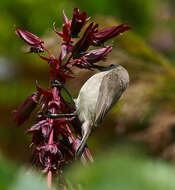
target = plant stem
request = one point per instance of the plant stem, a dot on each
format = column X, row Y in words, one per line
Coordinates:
column 49, row 175
column 51, row 138
column 49, row 179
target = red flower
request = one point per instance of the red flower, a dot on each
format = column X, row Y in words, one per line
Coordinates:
column 97, row 54
column 65, row 34
column 23, row 113
column 94, row 56
column 43, row 126
column 83, row 44
column 34, row 41
column 107, row 33
column 78, row 21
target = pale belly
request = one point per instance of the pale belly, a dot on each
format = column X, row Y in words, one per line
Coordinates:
column 87, row 98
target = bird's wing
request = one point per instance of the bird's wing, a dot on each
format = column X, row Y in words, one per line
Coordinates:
column 111, row 89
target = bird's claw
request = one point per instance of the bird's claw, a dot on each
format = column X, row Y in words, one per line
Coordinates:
column 56, row 83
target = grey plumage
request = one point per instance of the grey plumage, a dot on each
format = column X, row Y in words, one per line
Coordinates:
column 97, row 96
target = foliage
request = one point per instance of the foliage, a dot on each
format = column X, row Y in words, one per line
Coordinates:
column 123, row 171
column 13, row 178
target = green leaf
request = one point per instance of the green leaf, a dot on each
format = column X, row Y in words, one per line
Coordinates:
column 13, row 178
column 118, row 171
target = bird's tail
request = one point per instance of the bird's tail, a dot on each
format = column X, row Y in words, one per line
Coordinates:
column 80, row 150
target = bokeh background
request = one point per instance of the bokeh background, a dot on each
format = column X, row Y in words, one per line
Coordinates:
column 144, row 119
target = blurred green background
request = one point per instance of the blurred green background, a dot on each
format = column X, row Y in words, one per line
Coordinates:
column 144, row 119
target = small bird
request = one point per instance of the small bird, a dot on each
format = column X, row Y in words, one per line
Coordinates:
column 96, row 98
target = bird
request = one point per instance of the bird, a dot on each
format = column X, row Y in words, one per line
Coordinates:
column 96, row 98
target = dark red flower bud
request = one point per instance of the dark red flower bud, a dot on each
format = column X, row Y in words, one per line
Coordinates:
column 97, row 55
column 83, row 44
column 23, row 113
column 30, row 39
column 78, row 21
column 94, row 56
column 107, row 33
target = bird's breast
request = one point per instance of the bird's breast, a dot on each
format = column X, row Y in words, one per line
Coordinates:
column 87, row 98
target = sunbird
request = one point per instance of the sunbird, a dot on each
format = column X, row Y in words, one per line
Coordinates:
column 96, row 98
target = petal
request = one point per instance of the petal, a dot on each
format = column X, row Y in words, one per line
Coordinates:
column 97, row 55
column 83, row 44
column 65, row 19
column 107, row 33
column 57, row 32
column 45, row 93
column 23, row 113
column 36, row 127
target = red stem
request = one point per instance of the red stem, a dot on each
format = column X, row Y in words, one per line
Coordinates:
column 49, row 175
column 49, row 179
column 48, row 51
column 50, row 142
column 51, row 138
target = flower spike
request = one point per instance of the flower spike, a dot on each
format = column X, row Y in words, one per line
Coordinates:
column 56, row 140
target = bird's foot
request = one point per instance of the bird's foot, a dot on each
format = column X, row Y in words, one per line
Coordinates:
column 58, row 84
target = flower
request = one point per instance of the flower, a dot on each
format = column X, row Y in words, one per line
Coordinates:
column 43, row 126
column 107, row 33
column 78, row 21
column 23, row 113
column 83, row 44
column 65, row 34
column 94, row 56
column 34, row 41
column 97, row 54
